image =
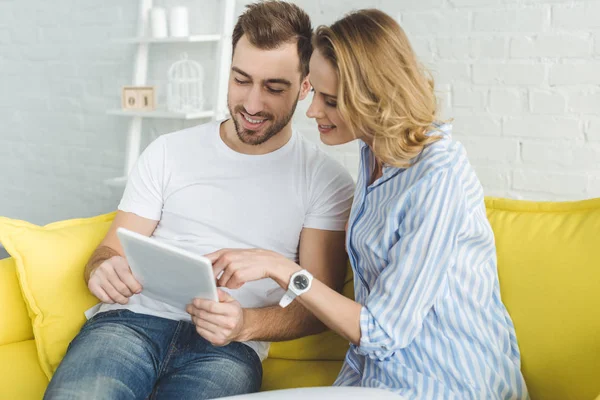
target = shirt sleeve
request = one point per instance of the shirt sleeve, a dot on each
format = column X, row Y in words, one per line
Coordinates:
column 143, row 194
column 416, row 272
column 330, row 198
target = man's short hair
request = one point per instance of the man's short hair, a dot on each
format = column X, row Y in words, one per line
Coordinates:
column 270, row 24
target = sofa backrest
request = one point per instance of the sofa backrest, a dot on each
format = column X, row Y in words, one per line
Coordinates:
column 549, row 270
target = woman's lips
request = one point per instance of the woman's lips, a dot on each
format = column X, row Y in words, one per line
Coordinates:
column 325, row 128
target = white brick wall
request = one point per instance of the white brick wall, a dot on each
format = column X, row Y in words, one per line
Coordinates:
column 562, row 46
column 528, row 109
column 547, row 102
column 521, row 78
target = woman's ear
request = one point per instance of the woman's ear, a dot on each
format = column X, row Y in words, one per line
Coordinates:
column 304, row 88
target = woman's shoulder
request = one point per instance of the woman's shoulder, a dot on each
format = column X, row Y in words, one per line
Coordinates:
column 446, row 161
column 446, row 154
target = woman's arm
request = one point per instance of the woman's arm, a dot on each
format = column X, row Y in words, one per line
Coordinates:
column 338, row 312
column 409, row 284
column 239, row 266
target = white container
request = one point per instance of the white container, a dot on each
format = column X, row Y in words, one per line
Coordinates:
column 158, row 22
column 179, row 22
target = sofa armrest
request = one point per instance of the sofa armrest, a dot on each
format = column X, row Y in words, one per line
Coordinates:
column 15, row 324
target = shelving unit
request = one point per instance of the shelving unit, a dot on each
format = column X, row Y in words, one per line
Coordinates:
column 162, row 113
column 187, row 39
column 140, row 75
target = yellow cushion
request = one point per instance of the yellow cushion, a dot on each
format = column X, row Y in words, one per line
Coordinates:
column 324, row 346
column 15, row 325
column 20, row 372
column 549, row 269
column 285, row 374
column 50, row 262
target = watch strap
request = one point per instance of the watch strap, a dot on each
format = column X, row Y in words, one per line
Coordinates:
column 287, row 298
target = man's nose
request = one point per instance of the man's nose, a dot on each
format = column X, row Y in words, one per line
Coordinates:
column 254, row 102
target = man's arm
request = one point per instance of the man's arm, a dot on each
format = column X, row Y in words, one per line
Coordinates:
column 111, row 246
column 114, row 281
column 323, row 254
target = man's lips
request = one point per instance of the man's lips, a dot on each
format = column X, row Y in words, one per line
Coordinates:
column 252, row 123
column 253, row 120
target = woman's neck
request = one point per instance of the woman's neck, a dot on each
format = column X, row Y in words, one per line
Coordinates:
column 378, row 169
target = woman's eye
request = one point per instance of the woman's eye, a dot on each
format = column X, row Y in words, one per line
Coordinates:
column 331, row 104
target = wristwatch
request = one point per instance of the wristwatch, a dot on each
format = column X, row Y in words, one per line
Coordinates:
column 299, row 283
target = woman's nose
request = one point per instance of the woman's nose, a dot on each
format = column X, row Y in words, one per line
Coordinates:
column 314, row 110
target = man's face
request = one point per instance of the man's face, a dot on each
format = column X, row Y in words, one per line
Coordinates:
column 264, row 88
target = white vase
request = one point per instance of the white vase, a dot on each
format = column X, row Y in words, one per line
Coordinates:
column 179, row 22
column 158, row 22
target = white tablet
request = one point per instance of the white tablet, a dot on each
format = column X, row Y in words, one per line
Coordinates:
column 168, row 273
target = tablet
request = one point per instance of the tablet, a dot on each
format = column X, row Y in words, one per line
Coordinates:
column 168, row 273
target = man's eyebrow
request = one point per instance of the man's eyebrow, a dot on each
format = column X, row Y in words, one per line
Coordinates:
column 280, row 81
column 239, row 71
column 324, row 94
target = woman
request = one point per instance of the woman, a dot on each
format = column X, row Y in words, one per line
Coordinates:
column 428, row 321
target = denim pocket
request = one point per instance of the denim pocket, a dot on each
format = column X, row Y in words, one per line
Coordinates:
column 104, row 314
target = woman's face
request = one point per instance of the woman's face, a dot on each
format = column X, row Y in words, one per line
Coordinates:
column 323, row 108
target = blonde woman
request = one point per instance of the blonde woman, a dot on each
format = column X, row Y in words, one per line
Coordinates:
column 428, row 321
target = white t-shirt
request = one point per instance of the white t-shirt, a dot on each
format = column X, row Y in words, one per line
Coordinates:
column 207, row 196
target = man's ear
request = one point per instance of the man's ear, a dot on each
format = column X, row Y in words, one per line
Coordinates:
column 304, row 88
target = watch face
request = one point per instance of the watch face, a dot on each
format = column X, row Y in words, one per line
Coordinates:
column 300, row 282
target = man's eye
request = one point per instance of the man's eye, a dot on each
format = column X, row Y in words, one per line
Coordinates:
column 239, row 81
column 275, row 91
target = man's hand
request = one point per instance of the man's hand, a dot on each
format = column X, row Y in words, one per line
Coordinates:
column 244, row 265
column 113, row 282
column 219, row 323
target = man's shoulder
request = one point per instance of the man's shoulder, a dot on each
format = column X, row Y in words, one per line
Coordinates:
column 319, row 160
column 323, row 171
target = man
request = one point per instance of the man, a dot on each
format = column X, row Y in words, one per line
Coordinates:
column 248, row 182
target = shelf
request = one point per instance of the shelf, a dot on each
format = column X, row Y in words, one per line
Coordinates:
column 161, row 113
column 118, row 182
column 144, row 44
column 186, row 39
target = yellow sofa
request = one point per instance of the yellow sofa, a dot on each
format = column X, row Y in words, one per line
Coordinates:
column 549, row 268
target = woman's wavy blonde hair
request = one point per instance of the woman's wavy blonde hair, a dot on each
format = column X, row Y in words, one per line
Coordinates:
column 383, row 91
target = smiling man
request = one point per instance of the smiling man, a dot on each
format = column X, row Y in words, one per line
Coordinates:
column 264, row 89
column 249, row 182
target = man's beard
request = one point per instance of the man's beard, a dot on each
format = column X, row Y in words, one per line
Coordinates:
column 251, row 137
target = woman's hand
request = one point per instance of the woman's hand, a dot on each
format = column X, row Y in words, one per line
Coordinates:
column 239, row 266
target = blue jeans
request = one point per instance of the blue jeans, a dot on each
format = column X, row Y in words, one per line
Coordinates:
column 124, row 355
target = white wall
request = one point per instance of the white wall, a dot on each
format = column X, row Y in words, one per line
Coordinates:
column 521, row 78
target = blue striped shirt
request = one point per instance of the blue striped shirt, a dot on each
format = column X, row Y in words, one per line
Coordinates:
column 432, row 324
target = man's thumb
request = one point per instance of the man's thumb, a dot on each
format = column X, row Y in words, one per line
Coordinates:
column 224, row 297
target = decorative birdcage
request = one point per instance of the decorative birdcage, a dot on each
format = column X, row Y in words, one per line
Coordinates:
column 185, row 93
